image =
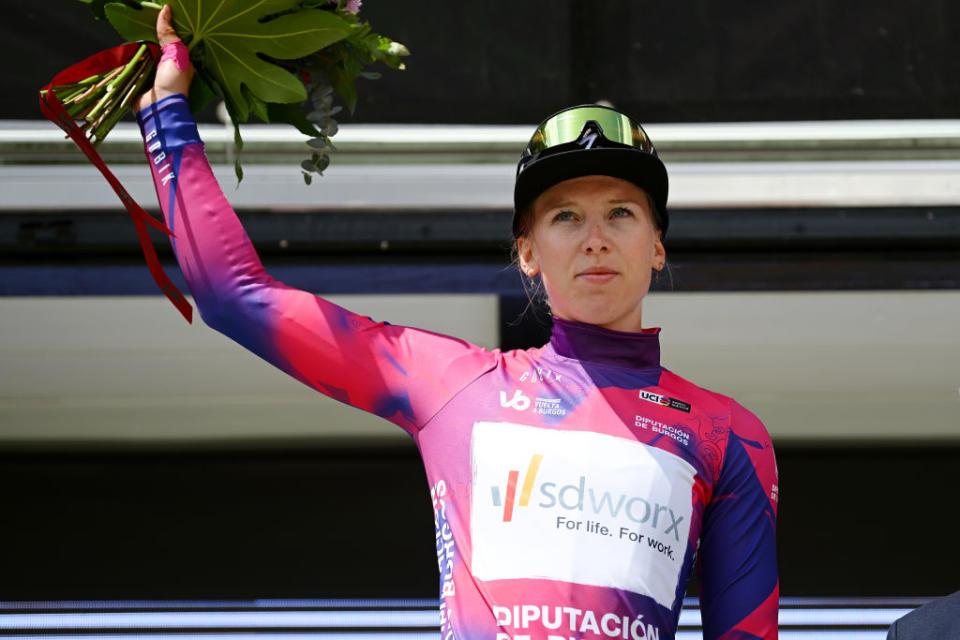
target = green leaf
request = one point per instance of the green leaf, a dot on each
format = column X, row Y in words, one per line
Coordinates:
column 237, row 139
column 237, row 143
column 322, row 164
column 96, row 6
column 236, row 34
column 342, row 82
column 133, row 24
column 257, row 106
column 293, row 115
column 201, row 94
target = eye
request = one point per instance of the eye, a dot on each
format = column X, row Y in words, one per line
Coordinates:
column 563, row 216
column 621, row 212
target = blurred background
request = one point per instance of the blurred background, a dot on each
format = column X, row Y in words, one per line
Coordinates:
column 814, row 275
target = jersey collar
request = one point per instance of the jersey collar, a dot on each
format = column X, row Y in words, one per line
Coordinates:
column 588, row 342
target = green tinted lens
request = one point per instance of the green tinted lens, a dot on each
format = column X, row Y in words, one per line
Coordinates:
column 567, row 126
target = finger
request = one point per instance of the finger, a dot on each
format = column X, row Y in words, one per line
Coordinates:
column 165, row 31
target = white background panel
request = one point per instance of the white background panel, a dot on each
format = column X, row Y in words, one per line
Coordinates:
column 816, row 367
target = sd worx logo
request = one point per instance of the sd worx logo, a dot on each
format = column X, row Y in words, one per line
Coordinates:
column 583, row 498
column 512, row 476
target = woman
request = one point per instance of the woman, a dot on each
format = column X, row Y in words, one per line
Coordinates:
column 573, row 485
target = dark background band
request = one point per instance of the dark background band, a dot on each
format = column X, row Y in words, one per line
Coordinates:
column 684, row 61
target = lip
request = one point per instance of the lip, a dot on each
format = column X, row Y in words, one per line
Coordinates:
column 598, row 275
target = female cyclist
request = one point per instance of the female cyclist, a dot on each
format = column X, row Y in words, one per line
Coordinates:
column 574, row 485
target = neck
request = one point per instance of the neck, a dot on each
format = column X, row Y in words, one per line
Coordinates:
column 592, row 343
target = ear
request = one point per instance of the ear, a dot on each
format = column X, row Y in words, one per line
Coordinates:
column 659, row 253
column 528, row 260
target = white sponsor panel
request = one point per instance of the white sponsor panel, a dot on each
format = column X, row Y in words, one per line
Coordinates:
column 578, row 506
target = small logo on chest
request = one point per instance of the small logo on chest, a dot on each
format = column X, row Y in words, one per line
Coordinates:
column 519, row 401
column 664, row 401
column 541, row 406
column 539, row 374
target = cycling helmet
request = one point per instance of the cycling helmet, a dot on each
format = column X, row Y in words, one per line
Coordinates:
column 589, row 140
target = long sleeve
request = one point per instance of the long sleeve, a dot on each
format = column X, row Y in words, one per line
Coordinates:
column 402, row 374
column 740, row 588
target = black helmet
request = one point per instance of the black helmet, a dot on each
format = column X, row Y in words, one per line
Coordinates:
column 589, row 140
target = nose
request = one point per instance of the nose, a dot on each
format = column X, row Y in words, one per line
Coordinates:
column 596, row 241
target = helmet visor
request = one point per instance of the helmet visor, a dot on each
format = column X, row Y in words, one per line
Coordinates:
column 567, row 126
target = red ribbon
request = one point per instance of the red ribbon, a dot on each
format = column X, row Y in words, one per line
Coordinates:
column 54, row 111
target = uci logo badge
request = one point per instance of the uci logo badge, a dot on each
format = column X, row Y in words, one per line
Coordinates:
column 664, row 401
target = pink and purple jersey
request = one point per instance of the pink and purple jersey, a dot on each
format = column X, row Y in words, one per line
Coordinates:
column 574, row 485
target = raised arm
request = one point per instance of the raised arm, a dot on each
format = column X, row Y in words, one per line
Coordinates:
column 404, row 375
column 739, row 586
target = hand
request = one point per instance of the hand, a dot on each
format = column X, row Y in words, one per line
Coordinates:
column 169, row 79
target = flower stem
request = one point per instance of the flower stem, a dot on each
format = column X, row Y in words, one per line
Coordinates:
column 121, row 99
column 119, row 79
column 92, row 91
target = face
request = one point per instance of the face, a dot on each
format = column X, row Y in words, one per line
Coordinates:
column 593, row 242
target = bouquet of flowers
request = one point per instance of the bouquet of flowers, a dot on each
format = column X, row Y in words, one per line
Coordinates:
column 277, row 60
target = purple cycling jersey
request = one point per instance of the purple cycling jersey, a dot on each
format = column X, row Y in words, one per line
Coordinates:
column 574, row 485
